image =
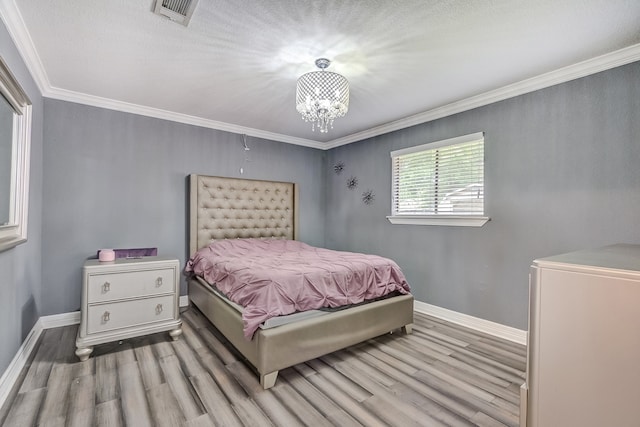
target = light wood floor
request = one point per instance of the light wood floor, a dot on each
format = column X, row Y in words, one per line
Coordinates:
column 442, row 374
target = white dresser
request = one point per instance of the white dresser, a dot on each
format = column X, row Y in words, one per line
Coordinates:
column 583, row 364
column 127, row 298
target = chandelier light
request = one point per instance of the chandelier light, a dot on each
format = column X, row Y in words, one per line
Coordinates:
column 321, row 96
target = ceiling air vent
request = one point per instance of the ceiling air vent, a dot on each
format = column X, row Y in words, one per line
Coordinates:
column 179, row 11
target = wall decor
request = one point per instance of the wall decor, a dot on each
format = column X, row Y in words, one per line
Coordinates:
column 352, row 183
column 368, row 196
column 338, row 167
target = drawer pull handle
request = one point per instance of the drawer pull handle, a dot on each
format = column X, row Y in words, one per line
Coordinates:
column 158, row 282
column 106, row 287
column 106, row 316
column 158, row 308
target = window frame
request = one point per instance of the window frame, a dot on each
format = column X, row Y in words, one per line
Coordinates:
column 464, row 220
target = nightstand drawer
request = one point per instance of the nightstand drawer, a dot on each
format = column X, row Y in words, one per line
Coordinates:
column 114, row 286
column 106, row 317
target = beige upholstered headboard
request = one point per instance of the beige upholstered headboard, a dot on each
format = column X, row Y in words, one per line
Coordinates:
column 229, row 208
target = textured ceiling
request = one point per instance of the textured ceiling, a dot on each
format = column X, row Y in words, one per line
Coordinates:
column 236, row 64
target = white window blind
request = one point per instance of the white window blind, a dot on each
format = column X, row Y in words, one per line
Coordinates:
column 444, row 178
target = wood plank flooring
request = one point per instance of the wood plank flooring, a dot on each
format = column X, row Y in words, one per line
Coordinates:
column 441, row 375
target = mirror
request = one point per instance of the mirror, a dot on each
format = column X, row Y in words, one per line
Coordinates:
column 15, row 141
column 6, row 147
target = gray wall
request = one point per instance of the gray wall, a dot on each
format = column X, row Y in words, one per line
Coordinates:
column 118, row 180
column 20, row 267
column 562, row 173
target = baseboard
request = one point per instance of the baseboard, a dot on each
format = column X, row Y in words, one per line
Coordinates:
column 184, row 301
column 59, row 320
column 496, row 329
column 12, row 372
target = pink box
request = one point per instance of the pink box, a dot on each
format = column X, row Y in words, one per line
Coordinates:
column 133, row 253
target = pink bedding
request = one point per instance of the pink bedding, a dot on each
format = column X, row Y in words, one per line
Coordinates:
column 276, row 277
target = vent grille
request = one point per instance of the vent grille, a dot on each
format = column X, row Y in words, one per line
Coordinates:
column 179, row 11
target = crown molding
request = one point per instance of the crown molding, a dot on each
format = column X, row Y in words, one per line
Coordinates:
column 581, row 69
column 17, row 29
column 111, row 104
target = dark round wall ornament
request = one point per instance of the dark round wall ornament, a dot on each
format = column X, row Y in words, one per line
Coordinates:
column 338, row 168
column 352, row 183
column 368, row 196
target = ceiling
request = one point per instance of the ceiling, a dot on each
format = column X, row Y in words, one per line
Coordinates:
column 235, row 66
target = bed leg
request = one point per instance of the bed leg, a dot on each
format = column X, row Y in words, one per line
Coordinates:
column 407, row 328
column 269, row 380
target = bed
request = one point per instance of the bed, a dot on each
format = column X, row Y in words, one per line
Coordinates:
column 232, row 208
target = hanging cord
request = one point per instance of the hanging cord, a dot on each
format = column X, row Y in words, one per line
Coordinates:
column 246, row 153
column 246, row 148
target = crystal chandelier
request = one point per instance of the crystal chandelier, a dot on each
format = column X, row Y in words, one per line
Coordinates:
column 321, row 96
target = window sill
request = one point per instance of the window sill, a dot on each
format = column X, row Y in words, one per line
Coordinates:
column 443, row 220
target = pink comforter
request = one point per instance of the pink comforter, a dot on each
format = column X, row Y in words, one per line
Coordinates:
column 276, row 277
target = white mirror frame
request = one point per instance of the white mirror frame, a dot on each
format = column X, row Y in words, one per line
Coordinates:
column 15, row 232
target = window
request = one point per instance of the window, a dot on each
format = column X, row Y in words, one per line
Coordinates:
column 439, row 183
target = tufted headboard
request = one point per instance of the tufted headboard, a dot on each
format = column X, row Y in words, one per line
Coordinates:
column 228, row 208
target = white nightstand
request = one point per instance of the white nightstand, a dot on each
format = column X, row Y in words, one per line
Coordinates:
column 127, row 298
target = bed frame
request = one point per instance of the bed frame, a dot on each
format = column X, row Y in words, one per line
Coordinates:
column 224, row 208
